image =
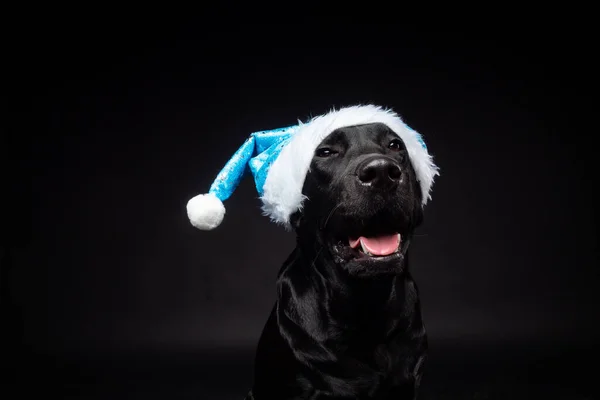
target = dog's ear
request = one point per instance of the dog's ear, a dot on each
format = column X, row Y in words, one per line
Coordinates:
column 418, row 216
column 296, row 219
column 418, row 213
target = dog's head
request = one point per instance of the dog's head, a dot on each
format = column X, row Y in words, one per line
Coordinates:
column 363, row 200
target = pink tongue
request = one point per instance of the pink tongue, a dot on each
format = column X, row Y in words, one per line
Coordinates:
column 380, row 245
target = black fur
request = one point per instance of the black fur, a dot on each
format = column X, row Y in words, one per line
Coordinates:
column 345, row 327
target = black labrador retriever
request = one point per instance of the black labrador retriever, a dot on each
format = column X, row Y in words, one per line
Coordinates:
column 347, row 320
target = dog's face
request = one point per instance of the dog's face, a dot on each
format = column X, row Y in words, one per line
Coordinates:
column 363, row 200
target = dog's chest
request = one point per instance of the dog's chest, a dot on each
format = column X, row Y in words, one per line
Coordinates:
column 378, row 337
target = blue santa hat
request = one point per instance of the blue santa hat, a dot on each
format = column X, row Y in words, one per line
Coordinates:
column 279, row 160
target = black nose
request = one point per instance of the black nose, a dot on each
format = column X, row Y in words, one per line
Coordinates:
column 379, row 172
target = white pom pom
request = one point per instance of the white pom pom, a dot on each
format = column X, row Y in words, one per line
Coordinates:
column 205, row 211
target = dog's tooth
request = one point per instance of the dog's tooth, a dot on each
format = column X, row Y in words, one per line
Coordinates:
column 364, row 249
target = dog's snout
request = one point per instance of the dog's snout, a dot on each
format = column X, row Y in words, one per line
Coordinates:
column 379, row 172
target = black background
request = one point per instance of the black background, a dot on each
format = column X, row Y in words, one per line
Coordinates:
column 108, row 290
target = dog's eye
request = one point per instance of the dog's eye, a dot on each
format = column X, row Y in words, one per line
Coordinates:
column 325, row 152
column 395, row 144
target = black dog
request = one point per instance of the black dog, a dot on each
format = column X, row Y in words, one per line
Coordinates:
column 347, row 320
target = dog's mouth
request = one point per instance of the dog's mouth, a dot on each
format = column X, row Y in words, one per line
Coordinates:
column 369, row 239
column 372, row 248
column 377, row 246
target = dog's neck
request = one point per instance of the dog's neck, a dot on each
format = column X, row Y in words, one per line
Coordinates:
column 369, row 306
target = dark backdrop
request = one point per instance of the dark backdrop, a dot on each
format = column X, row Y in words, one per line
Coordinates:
column 107, row 289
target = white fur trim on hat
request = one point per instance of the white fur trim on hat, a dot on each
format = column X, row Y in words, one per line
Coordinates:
column 282, row 191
